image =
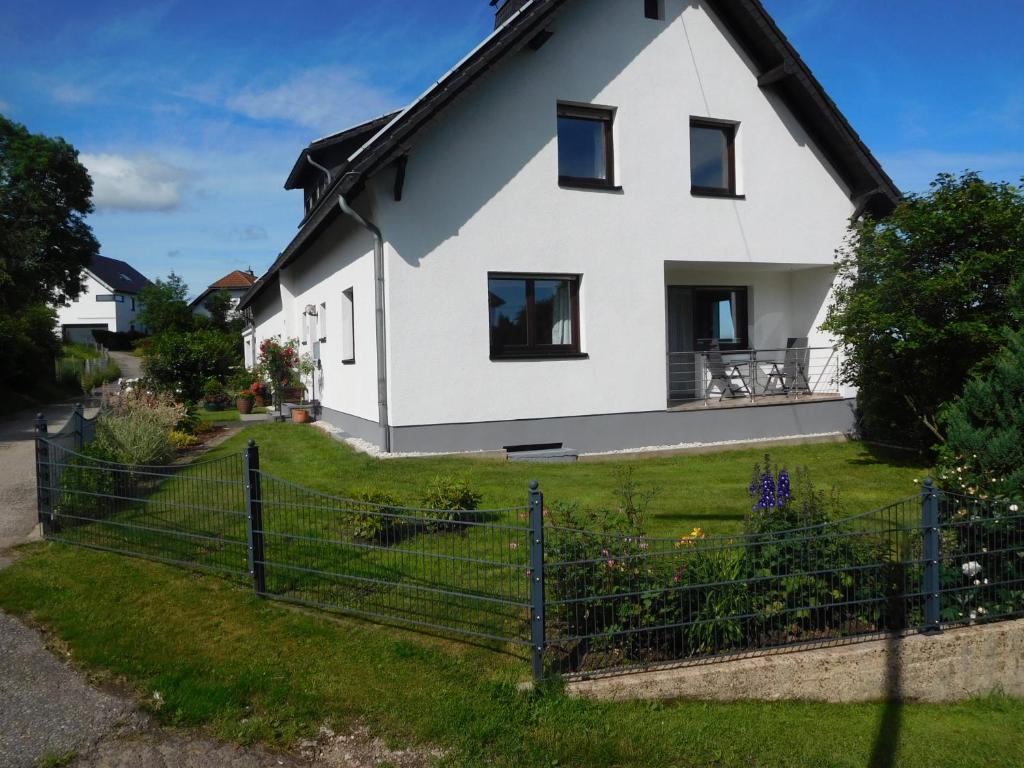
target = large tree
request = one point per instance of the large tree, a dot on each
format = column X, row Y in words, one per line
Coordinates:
column 924, row 296
column 164, row 306
column 45, row 194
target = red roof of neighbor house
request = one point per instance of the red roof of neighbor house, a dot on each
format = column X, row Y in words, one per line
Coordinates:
column 236, row 279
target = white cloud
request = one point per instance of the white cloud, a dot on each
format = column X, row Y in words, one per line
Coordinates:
column 72, row 93
column 913, row 170
column 139, row 183
column 4, row 106
column 325, row 98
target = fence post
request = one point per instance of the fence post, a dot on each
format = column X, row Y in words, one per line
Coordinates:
column 78, row 416
column 254, row 518
column 537, row 634
column 930, row 531
column 42, row 474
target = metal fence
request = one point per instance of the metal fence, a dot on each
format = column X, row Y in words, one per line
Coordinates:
column 583, row 602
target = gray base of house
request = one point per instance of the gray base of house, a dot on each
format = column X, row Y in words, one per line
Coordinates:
column 613, row 432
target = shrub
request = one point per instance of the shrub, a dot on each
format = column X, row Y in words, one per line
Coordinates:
column 446, row 495
column 182, row 361
column 369, row 519
column 119, row 342
column 183, row 439
column 984, row 452
column 136, row 428
column 88, row 486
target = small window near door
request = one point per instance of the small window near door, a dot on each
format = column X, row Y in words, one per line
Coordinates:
column 533, row 316
column 654, row 9
column 720, row 314
column 323, row 322
column 585, row 153
column 348, row 331
column 712, row 158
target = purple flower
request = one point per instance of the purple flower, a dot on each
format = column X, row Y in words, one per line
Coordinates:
column 785, row 493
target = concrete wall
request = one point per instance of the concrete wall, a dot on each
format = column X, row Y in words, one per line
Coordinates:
column 958, row 664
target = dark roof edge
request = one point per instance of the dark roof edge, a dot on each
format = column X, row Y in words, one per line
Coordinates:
column 882, row 185
column 387, row 144
column 392, row 140
column 292, row 182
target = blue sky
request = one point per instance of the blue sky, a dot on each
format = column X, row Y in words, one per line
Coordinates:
column 191, row 114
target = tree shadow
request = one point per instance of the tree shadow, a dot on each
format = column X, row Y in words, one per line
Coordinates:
column 883, row 753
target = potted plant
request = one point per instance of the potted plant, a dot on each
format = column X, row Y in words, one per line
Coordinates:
column 214, row 396
column 301, row 415
column 279, row 362
column 261, row 394
column 244, row 401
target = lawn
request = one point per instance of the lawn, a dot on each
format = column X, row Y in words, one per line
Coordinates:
column 228, row 414
column 250, row 670
column 708, row 490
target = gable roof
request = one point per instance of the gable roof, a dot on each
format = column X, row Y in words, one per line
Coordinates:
column 232, row 281
column 780, row 68
column 332, row 151
column 118, row 276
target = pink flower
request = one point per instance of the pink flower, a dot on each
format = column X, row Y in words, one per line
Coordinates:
column 513, row 545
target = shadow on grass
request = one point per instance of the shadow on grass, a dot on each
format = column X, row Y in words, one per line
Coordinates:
column 887, row 740
column 893, row 456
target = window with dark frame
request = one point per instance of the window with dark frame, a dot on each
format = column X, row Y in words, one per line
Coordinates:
column 712, row 158
column 533, row 315
column 720, row 314
column 654, row 9
column 585, row 148
column 348, row 328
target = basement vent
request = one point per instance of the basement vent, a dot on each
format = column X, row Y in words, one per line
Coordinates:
column 534, row 447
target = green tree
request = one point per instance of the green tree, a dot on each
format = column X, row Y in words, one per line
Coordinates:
column 180, row 362
column 164, row 306
column 984, row 427
column 45, row 194
column 218, row 304
column 924, row 296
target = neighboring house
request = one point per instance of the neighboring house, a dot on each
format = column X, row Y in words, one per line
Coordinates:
column 546, row 248
column 236, row 284
column 108, row 302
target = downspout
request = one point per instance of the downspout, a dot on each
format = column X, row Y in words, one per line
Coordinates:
column 379, row 296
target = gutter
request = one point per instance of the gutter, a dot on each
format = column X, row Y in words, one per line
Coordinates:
column 381, row 328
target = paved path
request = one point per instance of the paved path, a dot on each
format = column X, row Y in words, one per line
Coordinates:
column 130, row 365
column 18, row 516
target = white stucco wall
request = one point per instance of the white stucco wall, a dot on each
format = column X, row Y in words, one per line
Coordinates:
column 116, row 316
column 481, row 195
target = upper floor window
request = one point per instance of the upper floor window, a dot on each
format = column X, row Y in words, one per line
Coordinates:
column 348, row 326
column 533, row 315
column 712, row 157
column 585, row 150
column 654, row 9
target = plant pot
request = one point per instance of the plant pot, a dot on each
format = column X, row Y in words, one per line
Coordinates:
column 213, row 406
column 260, row 401
column 301, row 415
column 245, row 404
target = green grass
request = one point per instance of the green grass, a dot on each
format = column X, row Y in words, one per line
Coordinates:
column 80, row 351
column 250, row 670
column 707, row 490
column 229, row 414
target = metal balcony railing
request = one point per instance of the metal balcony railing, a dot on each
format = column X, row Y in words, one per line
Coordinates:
column 714, row 376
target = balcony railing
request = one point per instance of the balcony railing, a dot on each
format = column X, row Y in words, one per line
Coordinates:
column 730, row 376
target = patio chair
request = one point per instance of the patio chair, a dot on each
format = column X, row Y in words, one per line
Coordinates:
column 792, row 377
column 723, row 375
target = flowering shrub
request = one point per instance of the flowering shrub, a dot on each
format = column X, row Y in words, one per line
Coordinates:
column 135, row 428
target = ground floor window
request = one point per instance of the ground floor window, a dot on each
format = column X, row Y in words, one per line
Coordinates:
column 533, row 315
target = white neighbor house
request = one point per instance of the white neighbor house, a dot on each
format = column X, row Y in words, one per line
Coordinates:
column 108, row 301
column 545, row 248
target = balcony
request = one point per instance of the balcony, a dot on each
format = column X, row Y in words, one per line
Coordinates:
column 715, row 378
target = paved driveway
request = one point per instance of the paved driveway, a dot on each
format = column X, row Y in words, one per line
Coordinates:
column 18, row 517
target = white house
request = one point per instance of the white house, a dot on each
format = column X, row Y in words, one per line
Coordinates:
column 235, row 284
column 607, row 227
column 108, row 301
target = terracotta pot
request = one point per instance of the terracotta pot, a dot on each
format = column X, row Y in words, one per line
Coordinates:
column 301, row 415
column 260, row 401
column 245, row 404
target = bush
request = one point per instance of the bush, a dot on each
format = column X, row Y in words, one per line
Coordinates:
column 984, row 450
column 447, row 492
column 88, row 485
column 369, row 519
column 180, row 362
column 183, row 439
column 136, row 428
column 119, row 342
